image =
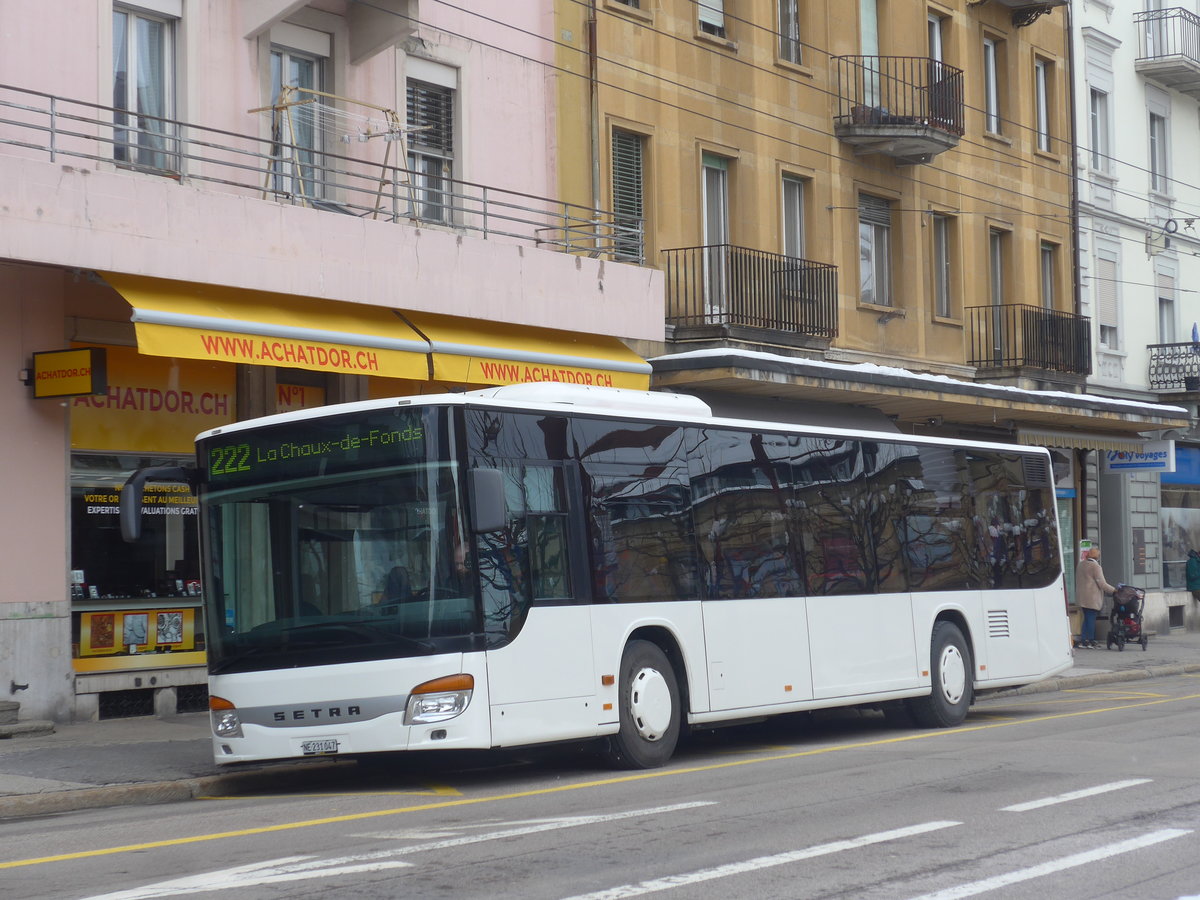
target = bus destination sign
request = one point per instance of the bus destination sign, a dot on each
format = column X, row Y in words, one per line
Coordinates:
column 312, row 447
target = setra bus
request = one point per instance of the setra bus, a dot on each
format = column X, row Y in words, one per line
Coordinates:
column 537, row 563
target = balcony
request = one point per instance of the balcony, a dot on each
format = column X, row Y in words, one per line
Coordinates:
column 363, row 181
column 721, row 291
column 1175, row 368
column 907, row 107
column 1017, row 336
column 1169, row 49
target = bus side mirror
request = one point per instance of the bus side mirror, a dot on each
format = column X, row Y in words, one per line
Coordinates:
column 485, row 490
column 131, row 496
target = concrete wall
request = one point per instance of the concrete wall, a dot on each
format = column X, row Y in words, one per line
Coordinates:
column 35, row 625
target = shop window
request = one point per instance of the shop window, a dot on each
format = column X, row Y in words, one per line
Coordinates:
column 132, row 599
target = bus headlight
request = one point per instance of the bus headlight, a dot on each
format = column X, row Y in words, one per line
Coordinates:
column 440, row 699
column 226, row 722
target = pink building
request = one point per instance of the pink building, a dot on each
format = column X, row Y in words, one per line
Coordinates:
column 255, row 206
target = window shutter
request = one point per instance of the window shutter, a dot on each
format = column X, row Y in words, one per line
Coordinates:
column 1166, row 286
column 627, row 174
column 431, row 110
column 1106, row 292
column 874, row 210
column 628, row 187
column 712, row 12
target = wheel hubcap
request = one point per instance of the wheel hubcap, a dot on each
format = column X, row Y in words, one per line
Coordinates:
column 650, row 704
column 954, row 674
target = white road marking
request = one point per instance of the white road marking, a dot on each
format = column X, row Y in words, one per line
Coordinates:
column 1076, row 795
column 1056, row 865
column 761, row 862
column 298, row 868
column 538, row 826
column 274, row 871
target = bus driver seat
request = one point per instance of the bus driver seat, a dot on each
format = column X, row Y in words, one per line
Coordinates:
column 397, row 589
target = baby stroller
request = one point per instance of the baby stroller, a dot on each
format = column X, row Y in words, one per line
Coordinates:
column 1125, row 622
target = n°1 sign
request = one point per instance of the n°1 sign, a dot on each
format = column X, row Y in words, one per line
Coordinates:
column 69, row 373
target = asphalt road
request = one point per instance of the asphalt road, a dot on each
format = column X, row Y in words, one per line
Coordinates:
column 1088, row 793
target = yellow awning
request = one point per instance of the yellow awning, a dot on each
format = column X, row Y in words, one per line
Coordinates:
column 471, row 351
column 209, row 322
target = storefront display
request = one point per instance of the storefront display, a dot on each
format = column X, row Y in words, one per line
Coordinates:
column 1179, row 515
column 138, row 606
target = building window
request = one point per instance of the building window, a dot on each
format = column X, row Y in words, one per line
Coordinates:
column 942, row 305
column 1048, row 264
column 991, row 85
column 789, row 31
column 874, row 250
column 997, row 257
column 714, row 186
column 1098, row 116
column 1166, row 308
column 793, row 216
column 1158, row 154
column 712, row 17
column 628, row 198
column 1105, row 290
column 143, row 89
column 430, row 120
column 297, row 123
column 1042, row 88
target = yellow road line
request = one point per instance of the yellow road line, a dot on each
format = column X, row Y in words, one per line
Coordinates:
column 583, row 785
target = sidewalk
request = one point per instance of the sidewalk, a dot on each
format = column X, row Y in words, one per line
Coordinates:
column 146, row 760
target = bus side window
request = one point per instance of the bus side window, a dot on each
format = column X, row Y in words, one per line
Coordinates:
column 546, row 530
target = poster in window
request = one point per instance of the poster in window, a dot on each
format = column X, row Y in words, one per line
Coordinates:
column 134, row 633
column 102, row 631
column 169, row 627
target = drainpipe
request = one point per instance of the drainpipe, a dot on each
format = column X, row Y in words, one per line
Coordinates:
column 1076, row 291
column 593, row 103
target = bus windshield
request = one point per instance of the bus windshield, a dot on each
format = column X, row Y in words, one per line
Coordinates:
column 353, row 566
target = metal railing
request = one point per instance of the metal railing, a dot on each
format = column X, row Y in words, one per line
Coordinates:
column 1017, row 336
column 721, row 284
column 1168, row 32
column 899, row 90
column 37, row 124
column 1174, row 367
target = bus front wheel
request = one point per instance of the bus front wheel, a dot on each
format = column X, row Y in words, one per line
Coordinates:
column 951, row 674
column 648, row 709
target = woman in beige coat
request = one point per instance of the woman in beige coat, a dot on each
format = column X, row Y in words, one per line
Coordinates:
column 1090, row 588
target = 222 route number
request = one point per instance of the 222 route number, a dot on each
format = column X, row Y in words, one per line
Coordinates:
column 228, row 460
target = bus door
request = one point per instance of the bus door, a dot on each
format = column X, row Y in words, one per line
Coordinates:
column 755, row 621
column 540, row 670
column 851, row 500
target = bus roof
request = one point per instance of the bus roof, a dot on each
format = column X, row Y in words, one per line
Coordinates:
column 590, row 399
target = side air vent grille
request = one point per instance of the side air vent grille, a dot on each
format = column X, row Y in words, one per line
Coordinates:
column 997, row 623
column 1037, row 471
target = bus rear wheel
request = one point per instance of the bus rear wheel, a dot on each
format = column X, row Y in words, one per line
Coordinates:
column 951, row 674
column 648, row 709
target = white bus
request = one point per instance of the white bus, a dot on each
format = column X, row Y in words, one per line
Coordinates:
column 539, row 563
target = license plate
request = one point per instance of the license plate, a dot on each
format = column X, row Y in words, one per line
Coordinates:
column 318, row 748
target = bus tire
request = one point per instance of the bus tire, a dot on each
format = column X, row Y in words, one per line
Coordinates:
column 648, row 709
column 951, row 671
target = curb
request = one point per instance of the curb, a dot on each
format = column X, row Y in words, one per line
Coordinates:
column 153, row 792
column 233, row 783
column 1063, row 683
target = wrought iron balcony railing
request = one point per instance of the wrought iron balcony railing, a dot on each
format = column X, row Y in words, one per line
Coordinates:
column 735, row 286
column 1019, row 336
column 1174, row 368
column 899, row 91
column 361, row 183
column 1169, row 48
